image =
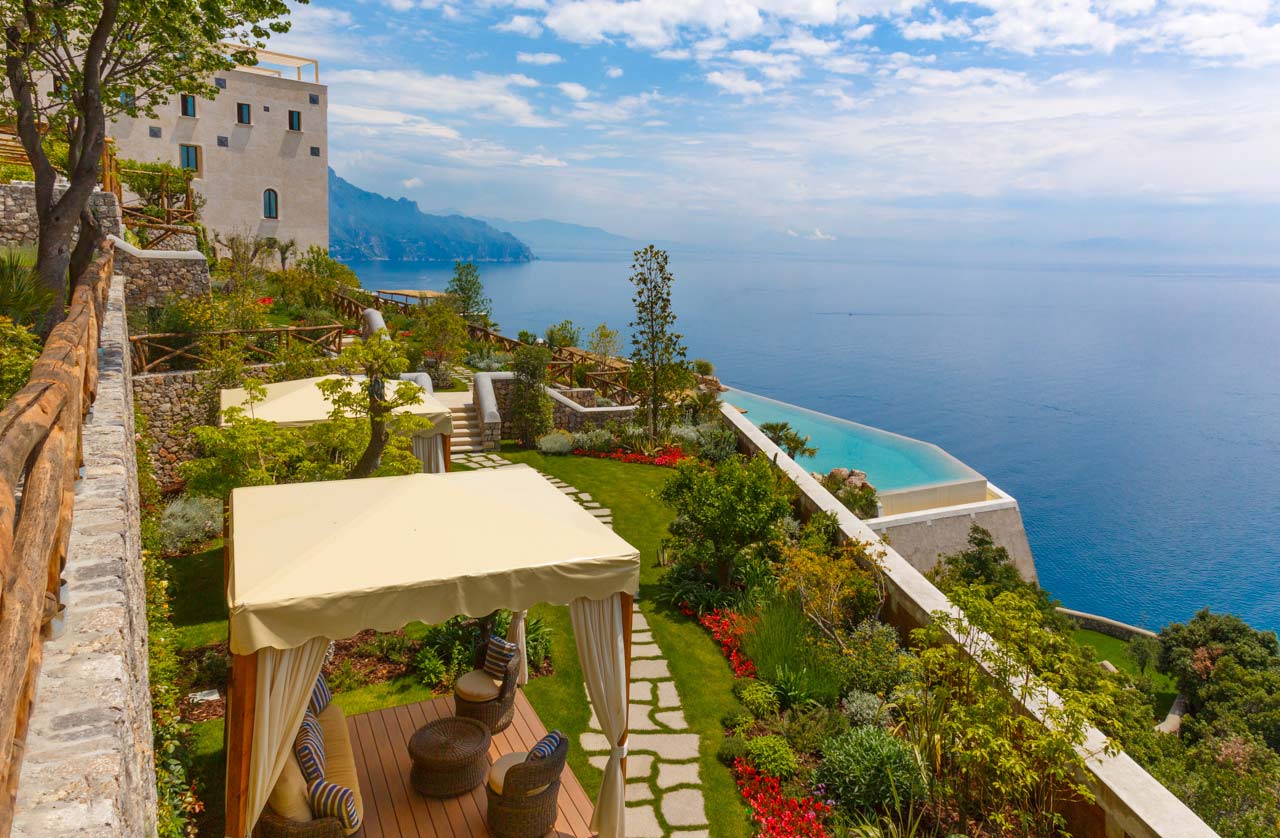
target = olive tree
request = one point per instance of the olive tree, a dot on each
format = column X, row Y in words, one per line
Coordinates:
column 72, row 67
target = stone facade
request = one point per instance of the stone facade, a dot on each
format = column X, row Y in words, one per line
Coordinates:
column 89, row 767
column 18, row 224
column 157, row 276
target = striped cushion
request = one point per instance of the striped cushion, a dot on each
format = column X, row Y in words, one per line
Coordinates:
column 308, row 747
column 330, row 800
column 320, row 696
column 498, row 655
column 546, row 746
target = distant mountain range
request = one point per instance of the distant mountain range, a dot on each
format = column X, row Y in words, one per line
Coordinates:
column 366, row 225
column 545, row 236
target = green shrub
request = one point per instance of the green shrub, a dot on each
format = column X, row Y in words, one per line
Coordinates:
column 189, row 520
column 596, row 439
column 874, row 661
column 430, row 670
column 716, row 442
column 733, row 748
column 703, row 367
column 345, row 677
column 806, row 730
column 555, row 443
column 737, row 722
column 526, row 336
column 772, row 755
column 787, row 651
column 537, row 641
column 863, row 708
column 212, row 669
column 563, row 333
column 18, row 352
column 23, row 298
column 869, row 768
column 530, row 404
column 760, row 699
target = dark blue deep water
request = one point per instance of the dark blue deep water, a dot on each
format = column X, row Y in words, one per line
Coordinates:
column 1134, row 412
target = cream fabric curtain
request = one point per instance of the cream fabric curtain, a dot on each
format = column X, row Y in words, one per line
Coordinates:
column 430, row 452
column 285, row 680
column 597, row 627
column 516, row 635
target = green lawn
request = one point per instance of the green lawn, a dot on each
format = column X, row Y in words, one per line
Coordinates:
column 701, row 673
column 1112, row 649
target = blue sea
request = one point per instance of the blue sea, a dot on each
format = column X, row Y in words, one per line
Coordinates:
column 1133, row 410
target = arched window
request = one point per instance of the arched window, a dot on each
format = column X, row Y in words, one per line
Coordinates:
column 270, row 204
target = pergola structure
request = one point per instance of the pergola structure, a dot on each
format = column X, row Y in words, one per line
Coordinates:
column 298, row 403
column 307, row 563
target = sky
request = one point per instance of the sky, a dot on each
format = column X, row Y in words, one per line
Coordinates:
column 819, row 124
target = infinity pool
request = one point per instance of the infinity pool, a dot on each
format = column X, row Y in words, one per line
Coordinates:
column 891, row 461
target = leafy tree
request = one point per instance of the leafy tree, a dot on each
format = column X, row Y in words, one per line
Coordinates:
column 468, row 295
column 240, row 262
column 18, row 352
column 788, row 439
column 725, row 508
column 530, row 404
column 836, row 588
column 317, row 261
column 439, row 334
column 242, row 451
column 107, row 57
column 1144, row 651
column 702, row 366
column 379, row 358
column 283, row 249
column 658, row 366
column 526, row 336
column 562, row 334
column 1191, row 651
column 604, row 342
column 1230, row 781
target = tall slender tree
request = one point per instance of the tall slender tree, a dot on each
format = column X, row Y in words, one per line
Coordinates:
column 658, row 354
column 70, row 67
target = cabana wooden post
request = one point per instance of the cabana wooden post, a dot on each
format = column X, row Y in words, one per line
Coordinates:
column 291, row 583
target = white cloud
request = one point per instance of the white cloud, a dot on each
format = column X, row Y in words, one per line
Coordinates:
column 389, row 119
column 778, row 68
column 847, row 65
column 818, row 236
column 542, row 160
column 805, row 44
column 936, row 28
column 411, row 182
column 931, row 79
column 541, row 59
column 623, row 109
column 573, row 90
column 735, row 81
column 482, row 95
column 521, row 25
column 613, row 72
column 860, row 33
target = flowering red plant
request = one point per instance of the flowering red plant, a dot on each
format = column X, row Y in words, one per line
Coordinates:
column 779, row 816
column 666, row 457
column 728, row 627
column 266, row 301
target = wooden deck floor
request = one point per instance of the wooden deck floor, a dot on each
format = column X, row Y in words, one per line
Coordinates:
column 392, row 809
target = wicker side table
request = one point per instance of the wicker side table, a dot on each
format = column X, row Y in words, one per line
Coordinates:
column 450, row 756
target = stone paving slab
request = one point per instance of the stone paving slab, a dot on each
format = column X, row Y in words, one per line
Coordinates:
column 649, row 670
column 684, row 807
column 642, row 822
column 645, row 650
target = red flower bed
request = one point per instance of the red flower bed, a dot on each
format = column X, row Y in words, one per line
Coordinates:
column 266, row 301
column 779, row 816
column 666, row 457
column 727, row 627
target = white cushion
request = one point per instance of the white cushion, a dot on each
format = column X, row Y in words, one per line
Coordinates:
column 477, row 685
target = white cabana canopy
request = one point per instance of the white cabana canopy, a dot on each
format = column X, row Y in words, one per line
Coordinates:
column 332, row 559
column 300, row 403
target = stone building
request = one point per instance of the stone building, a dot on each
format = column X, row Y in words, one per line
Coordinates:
column 259, row 149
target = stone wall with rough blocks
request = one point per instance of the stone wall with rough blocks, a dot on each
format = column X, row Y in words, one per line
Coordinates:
column 156, row 277
column 584, row 396
column 172, row 403
column 567, row 408
column 1105, row 625
column 18, row 224
column 89, row 768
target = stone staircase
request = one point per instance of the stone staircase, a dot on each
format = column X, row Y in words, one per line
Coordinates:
column 468, row 434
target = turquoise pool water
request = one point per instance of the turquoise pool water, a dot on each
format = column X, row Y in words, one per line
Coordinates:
column 891, row 461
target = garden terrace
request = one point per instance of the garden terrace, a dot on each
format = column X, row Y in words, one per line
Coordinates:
column 174, row 350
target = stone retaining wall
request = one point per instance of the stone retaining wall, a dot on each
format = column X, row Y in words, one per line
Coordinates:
column 572, row 410
column 19, row 226
column 1105, row 625
column 172, row 403
column 89, row 767
column 158, row 276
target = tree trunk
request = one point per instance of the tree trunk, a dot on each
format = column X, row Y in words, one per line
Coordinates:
column 86, row 247
column 378, row 436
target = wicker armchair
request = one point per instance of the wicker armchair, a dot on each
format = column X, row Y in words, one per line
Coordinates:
column 271, row 825
column 525, row 805
column 496, row 712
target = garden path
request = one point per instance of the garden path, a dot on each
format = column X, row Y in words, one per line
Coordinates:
column 664, row 789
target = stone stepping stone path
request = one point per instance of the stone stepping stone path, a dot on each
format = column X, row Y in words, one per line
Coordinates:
column 664, row 787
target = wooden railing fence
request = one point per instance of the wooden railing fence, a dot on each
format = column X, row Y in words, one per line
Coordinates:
column 40, row 455
column 13, row 152
column 158, row 352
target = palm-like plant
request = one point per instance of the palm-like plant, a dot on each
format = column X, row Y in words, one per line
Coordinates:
column 23, row 298
column 786, row 438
